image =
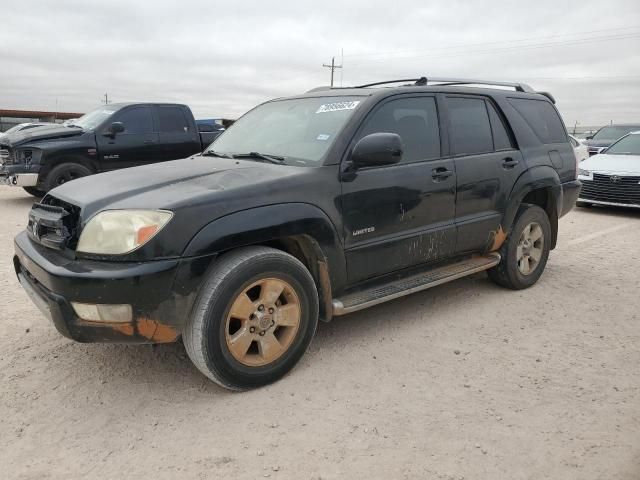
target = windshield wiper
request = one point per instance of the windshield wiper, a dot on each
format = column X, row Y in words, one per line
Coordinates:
column 211, row 153
column 263, row 156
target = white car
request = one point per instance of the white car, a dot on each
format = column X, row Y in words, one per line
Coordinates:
column 612, row 177
column 579, row 149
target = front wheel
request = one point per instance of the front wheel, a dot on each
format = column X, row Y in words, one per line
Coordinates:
column 65, row 173
column 254, row 318
column 525, row 251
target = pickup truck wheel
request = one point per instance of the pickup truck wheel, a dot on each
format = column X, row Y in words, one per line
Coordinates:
column 253, row 319
column 34, row 191
column 525, row 251
column 64, row 173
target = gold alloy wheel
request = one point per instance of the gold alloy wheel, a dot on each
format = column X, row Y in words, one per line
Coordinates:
column 530, row 248
column 262, row 322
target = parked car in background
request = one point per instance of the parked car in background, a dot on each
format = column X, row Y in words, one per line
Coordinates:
column 579, row 148
column 613, row 177
column 307, row 208
column 607, row 135
column 22, row 127
column 109, row 138
column 214, row 128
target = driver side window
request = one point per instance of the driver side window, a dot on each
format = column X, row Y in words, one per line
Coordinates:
column 136, row 120
column 415, row 120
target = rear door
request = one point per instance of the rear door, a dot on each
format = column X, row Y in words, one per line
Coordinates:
column 135, row 146
column 397, row 216
column 487, row 166
column 179, row 137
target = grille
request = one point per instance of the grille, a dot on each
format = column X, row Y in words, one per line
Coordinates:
column 54, row 223
column 612, row 188
column 6, row 155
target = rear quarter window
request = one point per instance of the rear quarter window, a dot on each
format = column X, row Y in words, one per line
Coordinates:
column 542, row 118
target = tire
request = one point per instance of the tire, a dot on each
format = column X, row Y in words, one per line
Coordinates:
column 510, row 272
column 34, row 191
column 215, row 336
column 64, row 173
column 584, row 204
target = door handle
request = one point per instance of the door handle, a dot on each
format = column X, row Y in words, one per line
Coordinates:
column 441, row 173
column 509, row 162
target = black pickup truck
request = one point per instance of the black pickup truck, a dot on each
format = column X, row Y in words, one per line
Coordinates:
column 111, row 137
column 307, row 208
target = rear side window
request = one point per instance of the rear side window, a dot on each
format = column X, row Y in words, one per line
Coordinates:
column 172, row 120
column 136, row 120
column 415, row 120
column 501, row 138
column 542, row 118
column 470, row 126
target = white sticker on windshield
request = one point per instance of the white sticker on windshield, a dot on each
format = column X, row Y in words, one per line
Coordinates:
column 335, row 107
column 323, row 136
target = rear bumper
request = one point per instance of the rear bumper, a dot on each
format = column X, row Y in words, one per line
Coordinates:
column 570, row 193
column 160, row 292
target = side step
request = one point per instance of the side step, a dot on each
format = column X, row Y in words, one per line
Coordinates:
column 414, row 283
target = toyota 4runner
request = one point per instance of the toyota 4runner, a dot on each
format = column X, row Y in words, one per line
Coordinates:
column 307, row 208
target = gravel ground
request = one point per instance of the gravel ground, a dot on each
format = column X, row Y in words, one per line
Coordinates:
column 466, row 380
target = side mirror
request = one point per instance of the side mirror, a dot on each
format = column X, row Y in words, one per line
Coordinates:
column 377, row 149
column 115, row 128
column 590, row 137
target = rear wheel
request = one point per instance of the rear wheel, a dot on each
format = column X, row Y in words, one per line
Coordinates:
column 65, row 173
column 525, row 251
column 34, row 191
column 254, row 318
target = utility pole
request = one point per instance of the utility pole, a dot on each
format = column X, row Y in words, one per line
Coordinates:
column 106, row 99
column 333, row 67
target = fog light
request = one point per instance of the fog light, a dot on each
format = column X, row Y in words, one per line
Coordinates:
column 103, row 312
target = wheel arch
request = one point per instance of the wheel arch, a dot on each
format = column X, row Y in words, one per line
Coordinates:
column 302, row 230
column 56, row 160
column 539, row 186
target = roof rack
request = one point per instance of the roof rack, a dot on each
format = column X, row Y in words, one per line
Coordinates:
column 422, row 81
column 447, row 81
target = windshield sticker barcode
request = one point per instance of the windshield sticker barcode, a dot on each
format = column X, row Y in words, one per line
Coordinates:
column 335, row 107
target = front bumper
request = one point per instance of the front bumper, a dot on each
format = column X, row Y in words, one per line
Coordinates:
column 19, row 175
column 161, row 292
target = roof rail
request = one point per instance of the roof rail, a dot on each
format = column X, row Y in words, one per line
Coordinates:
column 447, row 81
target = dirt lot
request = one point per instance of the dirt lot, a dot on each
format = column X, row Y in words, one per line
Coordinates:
column 463, row 381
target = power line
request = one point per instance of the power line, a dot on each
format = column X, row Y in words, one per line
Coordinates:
column 333, row 67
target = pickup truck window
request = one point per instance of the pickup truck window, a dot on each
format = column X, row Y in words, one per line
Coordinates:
column 91, row 120
column 470, row 127
column 172, row 120
column 415, row 120
column 300, row 130
column 136, row 120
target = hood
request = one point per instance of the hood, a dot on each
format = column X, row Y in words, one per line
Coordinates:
column 40, row 133
column 598, row 143
column 610, row 164
column 174, row 185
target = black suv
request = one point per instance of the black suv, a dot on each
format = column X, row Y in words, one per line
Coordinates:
column 308, row 207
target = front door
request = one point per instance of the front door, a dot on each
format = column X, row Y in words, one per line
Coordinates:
column 137, row 145
column 487, row 166
column 400, row 215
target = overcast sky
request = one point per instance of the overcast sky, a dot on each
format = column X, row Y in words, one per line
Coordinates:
column 222, row 58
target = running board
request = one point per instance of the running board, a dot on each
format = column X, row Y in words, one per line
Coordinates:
column 414, row 283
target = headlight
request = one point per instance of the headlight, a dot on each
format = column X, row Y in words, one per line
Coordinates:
column 116, row 232
column 584, row 173
column 28, row 155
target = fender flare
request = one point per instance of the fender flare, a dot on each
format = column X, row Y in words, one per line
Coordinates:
column 535, row 178
column 271, row 223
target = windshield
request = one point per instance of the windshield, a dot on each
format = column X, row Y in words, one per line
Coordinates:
column 91, row 120
column 613, row 133
column 629, row 145
column 298, row 130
